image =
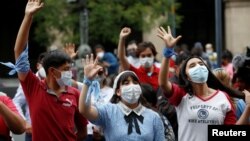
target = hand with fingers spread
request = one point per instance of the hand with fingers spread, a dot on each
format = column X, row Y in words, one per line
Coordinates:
column 69, row 48
column 91, row 67
column 167, row 37
column 33, row 6
column 125, row 32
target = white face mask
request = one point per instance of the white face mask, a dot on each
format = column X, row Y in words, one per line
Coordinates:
column 65, row 79
column 147, row 62
column 198, row 74
column 131, row 93
column 209, row 51
column 100, row 54
column 41, row 73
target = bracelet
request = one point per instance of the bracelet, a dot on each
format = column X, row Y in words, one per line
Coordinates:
column 168, row 52
column 86, row 81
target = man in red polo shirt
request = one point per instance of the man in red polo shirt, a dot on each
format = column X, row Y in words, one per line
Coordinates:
column 53, row 104
column 10, row 120
column 146, row 52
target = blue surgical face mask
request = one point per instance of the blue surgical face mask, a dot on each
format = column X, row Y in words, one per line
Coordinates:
column 65, row 79
column 198, row 74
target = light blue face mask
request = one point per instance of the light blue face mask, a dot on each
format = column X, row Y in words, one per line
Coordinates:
column 198, row 74
column 65, row 79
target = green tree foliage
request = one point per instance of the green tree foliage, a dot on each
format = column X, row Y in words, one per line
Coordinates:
column 56, row 19
column 106, row 18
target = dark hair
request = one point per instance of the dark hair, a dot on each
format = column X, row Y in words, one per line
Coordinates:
column 40, row 57
column 248, row 51
column 143, row 46
column 98, row 46
column 149, row 93
column 180, row 58
column 115, row 98
column 55, row 58
column 227, row 55
column 243, row 74
column 212, row 81
column 132, row 42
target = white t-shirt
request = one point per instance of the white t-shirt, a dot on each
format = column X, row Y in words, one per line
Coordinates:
column 194, row 114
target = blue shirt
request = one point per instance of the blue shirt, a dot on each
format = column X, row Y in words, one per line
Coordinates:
column 111, row 118
column 240, row 106
column 112, row 60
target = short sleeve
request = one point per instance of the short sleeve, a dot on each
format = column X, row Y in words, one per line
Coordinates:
column 9, row 103
column 30, row 84
column 177, row 94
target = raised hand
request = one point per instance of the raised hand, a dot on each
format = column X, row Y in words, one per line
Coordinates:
column 91, row 67
column 33, row 6
column 69, row 48
column 125, row 32
column 167, row 37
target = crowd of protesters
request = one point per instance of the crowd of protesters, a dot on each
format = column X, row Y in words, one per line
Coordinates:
column 125, row 96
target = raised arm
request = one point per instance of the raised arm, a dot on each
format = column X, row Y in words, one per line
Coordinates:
column 244, row 118
column 90, row 71
column 121, row 48
column 8, row 112
column 70, row 49
column 22, row 37
column 170, row 42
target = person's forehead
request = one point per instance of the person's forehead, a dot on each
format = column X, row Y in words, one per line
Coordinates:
column 193, row 60
column 98, row 49
column 146, row 51
column 132, row 46
column 65, row 66
column 209, row 46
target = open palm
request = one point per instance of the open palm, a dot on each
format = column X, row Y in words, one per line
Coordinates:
column 33, row 6
column 91, row 67
column 70, row 50
column 167, row 37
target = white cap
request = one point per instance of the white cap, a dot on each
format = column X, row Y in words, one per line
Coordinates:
column 117, row 78
column 2, row 94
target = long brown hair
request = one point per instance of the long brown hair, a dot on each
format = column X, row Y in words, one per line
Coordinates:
column 212, row 81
